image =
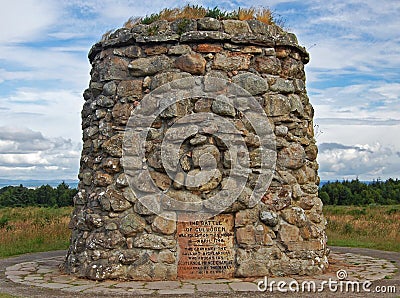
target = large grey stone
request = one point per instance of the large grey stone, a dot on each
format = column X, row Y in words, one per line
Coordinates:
column 277, row 105
column 295, row 103
column 108, row 240
column 270, row 218
column 179, row 200
column 198, row 140
column 113, row 146
column 204, row 35
column 149, row 66
column 179, row 49
column 292, row 157
column 104, row 101
column 184, row 25
column 130, row 256
column 154, row 242
column 179, row 133
column 129, row 52
column 166, row 77
column 131, row 89
column 210, row 155
column 268, row 64
column 157, row 38
column 223, row 108
column 235, row 27
column 109, row 89
column 231, row 61
column 252, row 83
column 113, row 68
column 258, row 27
column 208, row 24
column 254, row 39
column 295, row 216
column 113, row 200
column 203, row 180
column 148, row 205
column 90, row 132
column 132, row 224
column 282, row 85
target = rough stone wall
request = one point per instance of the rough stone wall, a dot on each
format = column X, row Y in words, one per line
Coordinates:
column 116, row 235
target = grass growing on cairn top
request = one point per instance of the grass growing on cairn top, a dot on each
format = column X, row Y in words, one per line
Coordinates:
column 262, row 14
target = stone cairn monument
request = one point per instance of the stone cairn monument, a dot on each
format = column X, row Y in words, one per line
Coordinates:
column 199, row 158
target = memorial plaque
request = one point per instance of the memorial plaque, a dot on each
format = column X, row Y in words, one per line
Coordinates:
column 206, row 247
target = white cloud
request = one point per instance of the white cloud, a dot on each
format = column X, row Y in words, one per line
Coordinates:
column 22, row 160
column 55, row 112
column 25, row 20
column 44, row 63
column 371, row 101
column 353, row 134
column 366, row 161
column 389, row 91
column 24, row 151
column 351, row 37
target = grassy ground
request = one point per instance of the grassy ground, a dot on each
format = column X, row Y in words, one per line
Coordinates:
column 376, row 227
column 33, row 229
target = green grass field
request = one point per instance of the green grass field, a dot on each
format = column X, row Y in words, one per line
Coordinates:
column 33, row 229
column 376, row 227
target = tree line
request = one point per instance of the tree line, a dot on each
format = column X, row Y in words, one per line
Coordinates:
column 44, row 196
column 345, row 192
column 355, row 192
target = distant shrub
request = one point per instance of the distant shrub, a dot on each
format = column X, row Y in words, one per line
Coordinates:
column 217, row 13
column 357, row 212
column 348, row 228
column 393, row 211
column 151, row 18
column 3, row 222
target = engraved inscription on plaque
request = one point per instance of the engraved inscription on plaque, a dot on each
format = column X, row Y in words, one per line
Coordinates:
column 206, row 247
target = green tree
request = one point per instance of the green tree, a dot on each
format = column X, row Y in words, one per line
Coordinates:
column 323, row 195
column 45, row 196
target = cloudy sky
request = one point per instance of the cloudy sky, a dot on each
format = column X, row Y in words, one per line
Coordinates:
column 353, row 79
